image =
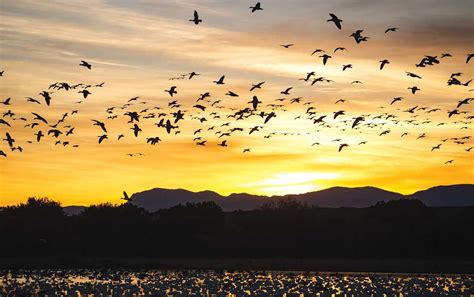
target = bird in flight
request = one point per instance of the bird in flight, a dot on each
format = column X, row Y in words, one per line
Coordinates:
column 257, row 86
column 196, row 20
column 383, row 63
column 336, row 20
column 85, row 64
column 343, row 146
column 7, row 101
column 255, row 102
column 287, row 45
column 257, row 6
column 325, row 58
column 172, row 91
column 220, row 81
column 126, row 197
column 100, row 124
column 394, row 29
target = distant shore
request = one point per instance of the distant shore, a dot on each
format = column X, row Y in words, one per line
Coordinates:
column 445, row 266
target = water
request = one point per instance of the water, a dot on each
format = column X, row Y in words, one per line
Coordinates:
column 82, row 282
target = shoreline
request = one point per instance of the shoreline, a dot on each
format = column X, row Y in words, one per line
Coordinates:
column 320, row 265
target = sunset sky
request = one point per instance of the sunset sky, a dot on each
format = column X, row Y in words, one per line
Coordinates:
column 136, row 46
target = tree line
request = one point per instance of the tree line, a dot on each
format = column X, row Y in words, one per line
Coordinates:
column 284, row 228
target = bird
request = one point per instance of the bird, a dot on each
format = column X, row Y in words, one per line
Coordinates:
column 2, row 153
column 39, row 118
column 172, row 91
column 347, row 66
column 136, row 130
column 343, row 146
column 246, row 150
column 469, row 57
column 336, row 20
column 33, row 100
column 287, row 91
column 232, row 94
column 220, row 81
column 394, row 29
column 464, row 101
column 85, row 64
column 269, row 116
column 85, row 93
column 46, row 96
column 126, row 197
column 357, row 120
column 2, row 121
column 39, row 135
column 414, row 89
column 436, row 147
column 338, row 113
column 196, row 20
column 257, row 6
column 255, row 102
column 396, row 99
column 257, row 86
column 413, row 75
column 100, row 124
column 318, row 50
column 383, row 63
column 223, row 143
column 325, row 58
column 449, row 162
column 9, row 139
column 7, row 101
column 102, row 137
column 287, row 45
column 340, row 49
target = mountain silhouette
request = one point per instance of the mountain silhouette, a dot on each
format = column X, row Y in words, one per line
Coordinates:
column 455, row 195
column 158, row 198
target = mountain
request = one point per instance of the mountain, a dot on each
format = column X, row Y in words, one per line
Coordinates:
column 456, row 195
column 155, row 199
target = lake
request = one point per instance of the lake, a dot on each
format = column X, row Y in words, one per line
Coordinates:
column 80, row 282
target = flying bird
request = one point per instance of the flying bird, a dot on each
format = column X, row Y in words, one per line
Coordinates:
column 85, row 64
column 336, row 21
column 220, row 81
column 383, row 63
column 257, row 6
column 394, row 29
column 196, row 20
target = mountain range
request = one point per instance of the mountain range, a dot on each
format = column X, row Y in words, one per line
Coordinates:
column 439, row 196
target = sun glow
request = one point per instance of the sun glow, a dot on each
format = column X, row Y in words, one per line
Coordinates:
column 292, row 182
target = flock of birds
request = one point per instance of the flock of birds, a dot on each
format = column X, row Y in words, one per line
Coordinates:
column 217, row 118
column 211, row 283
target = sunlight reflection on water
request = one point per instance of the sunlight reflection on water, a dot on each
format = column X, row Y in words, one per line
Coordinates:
column 191, row 282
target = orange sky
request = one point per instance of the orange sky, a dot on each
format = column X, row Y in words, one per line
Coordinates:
column 136, row 47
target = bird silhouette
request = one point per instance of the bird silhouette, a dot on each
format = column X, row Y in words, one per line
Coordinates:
column 85, row 64
column 383, row 63
column 196, row 20
column 394, row 29
column 257, row 6
column 172, row 91
column 126, row 197
column 343, row 145
column 100, row 124
column 257, row 86
column 325, row 58
column 220, row 81
column 6, row 101
column 335, row 20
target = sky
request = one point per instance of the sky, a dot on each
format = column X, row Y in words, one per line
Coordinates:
column 135, row 47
